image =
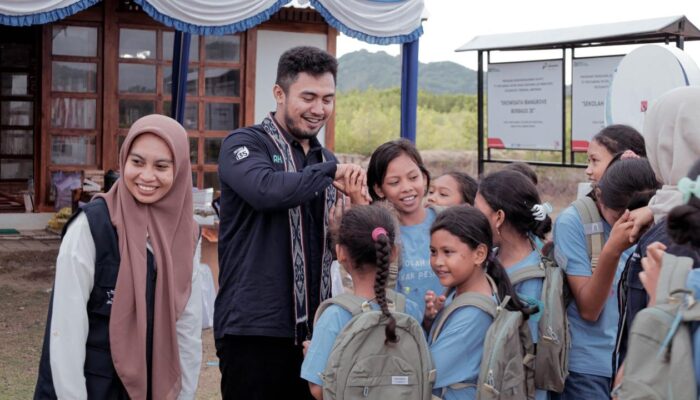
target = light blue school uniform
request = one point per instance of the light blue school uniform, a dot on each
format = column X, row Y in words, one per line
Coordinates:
column 327, row 329
column 415, row 275
column 530, row 291
column 592, row 343
column 457, row 351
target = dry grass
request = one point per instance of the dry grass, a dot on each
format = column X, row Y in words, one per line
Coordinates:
column 25, row 286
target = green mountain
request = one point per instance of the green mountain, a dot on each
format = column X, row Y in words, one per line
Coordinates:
column 361, row 70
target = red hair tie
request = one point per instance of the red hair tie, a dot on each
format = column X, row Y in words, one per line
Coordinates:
column 378, row 231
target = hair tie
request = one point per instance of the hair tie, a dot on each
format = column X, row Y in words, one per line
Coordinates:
column 689, row 188
column 540, row 211
column 378, row 231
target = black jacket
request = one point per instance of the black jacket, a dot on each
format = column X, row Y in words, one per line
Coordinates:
column 255, row 295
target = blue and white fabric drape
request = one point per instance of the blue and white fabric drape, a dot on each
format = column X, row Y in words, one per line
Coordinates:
column 211, row 17
column 34, row 12
column 374, row 21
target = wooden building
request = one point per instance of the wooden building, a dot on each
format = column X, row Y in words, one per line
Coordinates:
column 70, row 90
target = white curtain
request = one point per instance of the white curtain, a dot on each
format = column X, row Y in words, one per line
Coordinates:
column 31, row 12
column 211, row 16
column 374, row 21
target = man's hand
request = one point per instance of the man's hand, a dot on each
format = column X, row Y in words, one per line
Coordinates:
column 351, row 179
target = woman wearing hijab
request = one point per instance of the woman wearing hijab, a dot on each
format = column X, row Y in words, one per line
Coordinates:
column 672, row 136
column 125, row 317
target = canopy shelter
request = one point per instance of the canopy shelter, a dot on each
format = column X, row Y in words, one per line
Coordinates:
column 676, row 29
column 374, row 21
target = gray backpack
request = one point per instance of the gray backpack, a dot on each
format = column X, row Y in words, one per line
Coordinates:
column 506, row 371
column 552, row 356
column 659, row 362
column 361, row 366
column 592, row 227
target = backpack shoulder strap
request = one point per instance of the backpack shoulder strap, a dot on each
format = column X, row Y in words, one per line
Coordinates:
column 674, row 272
column 478, row 300
column 349, row 302
column 397, row 299
column 592, row 227
column 527, row 273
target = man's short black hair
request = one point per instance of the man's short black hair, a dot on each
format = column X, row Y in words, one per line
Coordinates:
column 311, row 60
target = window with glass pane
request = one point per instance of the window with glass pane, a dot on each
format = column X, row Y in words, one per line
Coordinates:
column 18, row 113
column 73, row 77
column 16, row 169
column 131, row 110
column 137, row 78
column 16, row 142
column 14, row 83
column 222, row 82
column 222, row 48
column 212, row 146
column 169, row 37
column 120, row 141
column 211, row 180
column 15, row 54
column 78, row 41
column 69, row 113
column 192, row 78
column 193, row 150
column 73, row 150
column 221, row 116
column 137, row 43
column 191, row 114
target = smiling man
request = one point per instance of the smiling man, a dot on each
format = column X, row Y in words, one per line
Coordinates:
column 277, row 187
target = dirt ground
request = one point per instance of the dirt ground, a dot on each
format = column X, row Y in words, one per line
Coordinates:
column 25, row 289
column 25, row 286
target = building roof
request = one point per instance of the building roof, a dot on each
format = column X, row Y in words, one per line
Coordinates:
column 631, row 32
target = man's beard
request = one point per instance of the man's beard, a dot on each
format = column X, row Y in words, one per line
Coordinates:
column 297, row 132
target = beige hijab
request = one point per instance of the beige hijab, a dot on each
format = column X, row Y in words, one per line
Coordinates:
column 672, row 137
column 169, row 225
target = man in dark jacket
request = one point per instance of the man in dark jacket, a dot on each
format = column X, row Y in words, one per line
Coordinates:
column 277, row 187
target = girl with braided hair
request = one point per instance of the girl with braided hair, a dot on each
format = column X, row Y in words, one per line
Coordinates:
column 365, row 246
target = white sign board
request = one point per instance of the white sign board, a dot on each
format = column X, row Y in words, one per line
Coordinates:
column 525, row 104
column 591, row 78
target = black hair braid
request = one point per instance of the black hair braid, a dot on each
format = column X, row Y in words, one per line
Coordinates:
column 382, row 247
column 500, row 277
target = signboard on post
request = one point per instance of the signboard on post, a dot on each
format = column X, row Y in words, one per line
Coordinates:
column 591, row 78
column 525, row 104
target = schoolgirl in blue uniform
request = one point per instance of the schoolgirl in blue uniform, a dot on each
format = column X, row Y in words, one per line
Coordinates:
column 461, row 256
column 451, row 189
column 396, row 174
column 593, row 315
column 519, row 223
column 365, row 246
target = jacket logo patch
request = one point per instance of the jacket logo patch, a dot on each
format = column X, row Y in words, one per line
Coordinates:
column 277, row 159
column 241, row 153
column 110, row 296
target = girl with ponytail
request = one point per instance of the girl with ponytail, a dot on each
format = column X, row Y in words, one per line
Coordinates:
column 519, row 223
column 365, row 246
column 461, row 256
column 626, row 185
